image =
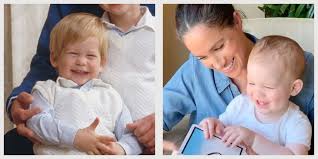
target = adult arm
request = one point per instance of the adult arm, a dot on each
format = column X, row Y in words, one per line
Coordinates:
column 178, row 97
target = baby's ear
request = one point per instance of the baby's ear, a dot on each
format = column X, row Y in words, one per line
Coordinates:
column 52, row 60
column 296, row 87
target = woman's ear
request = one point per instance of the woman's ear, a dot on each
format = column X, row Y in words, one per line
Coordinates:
column 296, row 87
column 237, row 20
column 52, row 60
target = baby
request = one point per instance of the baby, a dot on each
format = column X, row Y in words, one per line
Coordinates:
column 73, row 106
column 264, row 120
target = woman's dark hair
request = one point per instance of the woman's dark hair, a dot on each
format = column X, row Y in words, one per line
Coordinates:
column 189, row 15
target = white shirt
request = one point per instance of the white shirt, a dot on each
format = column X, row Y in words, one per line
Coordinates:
column 130, row 66
column 67, row 107
column 293, row 126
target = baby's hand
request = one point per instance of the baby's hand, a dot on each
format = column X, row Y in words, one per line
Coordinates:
column 88, row 141
column 234, row 135
column 211, row 126
column 112, row 148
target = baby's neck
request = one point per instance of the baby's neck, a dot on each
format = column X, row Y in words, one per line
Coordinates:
column 271, row 117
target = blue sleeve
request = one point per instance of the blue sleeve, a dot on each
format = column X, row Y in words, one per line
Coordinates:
column 41, row 68
column 178, row 95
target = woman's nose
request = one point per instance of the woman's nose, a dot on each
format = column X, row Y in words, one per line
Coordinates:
column 218, row 63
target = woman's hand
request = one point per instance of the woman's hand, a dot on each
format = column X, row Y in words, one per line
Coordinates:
column 88, row 141
column 235, row 135
column 144, row 129
column 211, row 126
column 20, row 113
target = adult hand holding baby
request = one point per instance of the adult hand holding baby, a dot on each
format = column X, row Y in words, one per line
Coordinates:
column 144, row 129
column 20, row 113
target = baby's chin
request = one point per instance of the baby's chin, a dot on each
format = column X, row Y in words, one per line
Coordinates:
column 81, row 82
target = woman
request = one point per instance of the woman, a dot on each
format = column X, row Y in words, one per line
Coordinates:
column 215, row 72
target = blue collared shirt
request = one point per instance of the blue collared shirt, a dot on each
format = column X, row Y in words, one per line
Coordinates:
column 203, row 92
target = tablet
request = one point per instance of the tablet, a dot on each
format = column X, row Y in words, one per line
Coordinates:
column 195, row 144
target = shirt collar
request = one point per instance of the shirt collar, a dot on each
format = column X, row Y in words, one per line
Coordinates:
column 147, row 20
column 222, row 81
column 66, row 83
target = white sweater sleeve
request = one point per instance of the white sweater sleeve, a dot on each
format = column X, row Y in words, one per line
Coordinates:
column 50, row 130
column 126, row 139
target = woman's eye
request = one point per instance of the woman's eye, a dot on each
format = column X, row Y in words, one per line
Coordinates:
column 218, row 48
column 252, row 84
column 202, row 58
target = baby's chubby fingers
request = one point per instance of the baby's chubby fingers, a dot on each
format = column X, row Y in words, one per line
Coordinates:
column 204, row 125
column 105, row 139
column 211, row 126
column 236, row 142
column 219, row 128
column 102, row 148
column 208, row 125
column 227, row 133
column 230, row 139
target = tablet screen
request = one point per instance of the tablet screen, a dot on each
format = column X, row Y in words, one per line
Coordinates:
column 196, row 144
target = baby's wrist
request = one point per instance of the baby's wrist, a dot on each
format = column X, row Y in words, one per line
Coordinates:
column 121, row 150
column 76, row 142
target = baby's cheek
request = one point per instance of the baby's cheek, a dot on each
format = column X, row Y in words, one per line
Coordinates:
column 275, row 96
column 249, row 92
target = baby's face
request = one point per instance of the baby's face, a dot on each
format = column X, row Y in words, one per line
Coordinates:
column 80, row 61
column 269, row 87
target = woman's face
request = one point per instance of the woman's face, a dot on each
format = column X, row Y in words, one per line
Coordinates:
column 221, row 49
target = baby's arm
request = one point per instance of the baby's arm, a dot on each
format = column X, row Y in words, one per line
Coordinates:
column 235, row 135
column 50, row 130
column 126, row 139
column 298, row 137
column 263, row 146
column 56, row 132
